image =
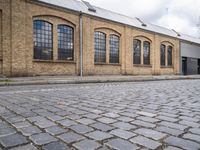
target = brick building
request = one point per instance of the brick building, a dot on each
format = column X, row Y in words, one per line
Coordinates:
column 69, row 37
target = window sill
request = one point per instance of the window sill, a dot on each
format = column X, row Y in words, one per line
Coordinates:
column 140, row 65
column 53, row 61
column 166, row 67
column 109, row 64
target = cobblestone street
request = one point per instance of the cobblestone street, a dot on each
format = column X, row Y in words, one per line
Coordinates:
column 160, row 115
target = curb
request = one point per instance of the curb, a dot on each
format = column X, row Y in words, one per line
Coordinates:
column 14, row 83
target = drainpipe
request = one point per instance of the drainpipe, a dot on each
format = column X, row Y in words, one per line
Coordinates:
column 81, row 44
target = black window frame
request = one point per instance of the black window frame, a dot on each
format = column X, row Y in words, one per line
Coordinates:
column 146, row 52
column 43, row 40
column 137, row 52
column 114, row 48
column 162, row 54
column 169, row 55
column 99, row 47
column 65, row 40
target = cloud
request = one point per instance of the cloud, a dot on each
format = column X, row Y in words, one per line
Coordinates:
column 181, row 15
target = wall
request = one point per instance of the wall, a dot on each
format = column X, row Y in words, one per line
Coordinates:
column 190, row 50
column 17, row 43
column 192, row 66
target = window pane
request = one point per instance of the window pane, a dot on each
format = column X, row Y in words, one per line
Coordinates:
column 162, row 55
column 65, row 42
column 100, row 47
column 146, row 53
column 43, row 43
column 169, row 56
column 136, row 51
column 114, row 49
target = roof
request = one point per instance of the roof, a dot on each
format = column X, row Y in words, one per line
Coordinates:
column 80, row 6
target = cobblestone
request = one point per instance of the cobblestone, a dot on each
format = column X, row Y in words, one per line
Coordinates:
column 13, row 140
column 86, row 145
column 144, row 115
column 185, row 144
column 143, row 141
column 120, row 144
column 42, row 138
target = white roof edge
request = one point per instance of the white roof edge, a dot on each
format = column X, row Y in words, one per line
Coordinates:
column 79, row 6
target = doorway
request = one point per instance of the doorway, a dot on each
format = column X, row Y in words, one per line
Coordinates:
column 184, row 65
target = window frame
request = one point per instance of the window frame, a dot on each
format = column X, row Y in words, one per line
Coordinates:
column 112, row 48
column 163, row 55
column 59, row 57
column 100, row 53
column 147, row 60
column 171, row 60
column 139, row 52
column 38, row 35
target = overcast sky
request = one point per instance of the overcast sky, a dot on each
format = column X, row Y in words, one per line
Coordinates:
column 181, row 15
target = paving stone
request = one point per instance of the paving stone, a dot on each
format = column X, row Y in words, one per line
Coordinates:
column 86, row 121
column 70, row 137
column 119, row 144
column 189, row 119
column 169, row 130
column 55, row 117
column 25, row 147
column 150, row 133
column 99, row 135
column 195, row 130
column 28, row 131
column 7, row 131
column 165, row 118
column 124, row 125
column 125, row 119
column 102, row 127
column 44, row 123
column 66, row 122
column 4, row 125
column 80, row 128
column 55, row 130
column 111, row 115
column 87, row 145
column 146, row 142
column 190, row 124
column 12, row 140
column 106, row 120
column 42, row 138
column 172, row 148
column 185, row 144
column 143, row 124
column 192, row 137
column 173, row 125
column 56, row 146
column 146, row 114
column 122, row 133
column 23, row 124
column 148, row 119
column 15, row 119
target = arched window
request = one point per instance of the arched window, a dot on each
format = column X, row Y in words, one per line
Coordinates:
column 100, row 47
column 146, row 54
column 114, row 48
column 43, row 40
column 169, row 55
column 136, row 51
column 162, row 55
column 65, row 42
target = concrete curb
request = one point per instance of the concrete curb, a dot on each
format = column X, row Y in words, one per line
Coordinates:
column 86, row 81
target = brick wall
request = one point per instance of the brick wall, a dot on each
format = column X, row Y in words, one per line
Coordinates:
column 17, row 43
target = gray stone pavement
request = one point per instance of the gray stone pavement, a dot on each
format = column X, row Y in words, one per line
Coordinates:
column 160, row 115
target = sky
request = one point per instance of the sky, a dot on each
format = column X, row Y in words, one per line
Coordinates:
column 180, row 15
